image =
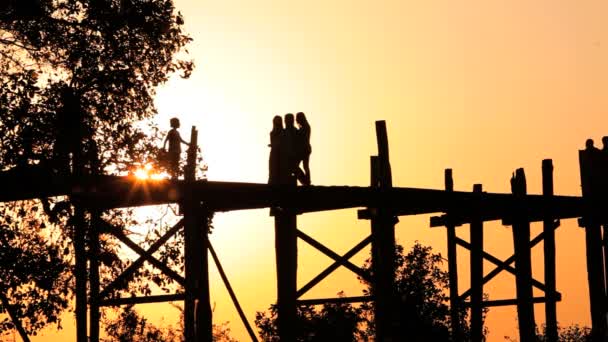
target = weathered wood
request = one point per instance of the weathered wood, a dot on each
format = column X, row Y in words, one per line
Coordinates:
column 235, row 301
column 356, row 249
column 335, row 300
column 80, row 273
column 506, row 265
column 94, row 314
column 523, row 264
column 549, row 256
column 453, row 267
column 127, row 274
column 333, row 255
column 142, row 300
column 286, row 246
column 120, row 235
column 383, row 243
column 197, row 305
column 588, row 160
column 476, row 229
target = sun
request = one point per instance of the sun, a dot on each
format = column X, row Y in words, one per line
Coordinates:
column 148, row 173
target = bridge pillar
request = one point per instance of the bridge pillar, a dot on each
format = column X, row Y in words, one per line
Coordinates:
column 383, row 245
column 476, row 255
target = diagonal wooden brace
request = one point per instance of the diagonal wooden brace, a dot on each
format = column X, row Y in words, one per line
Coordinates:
column 120, row 235
column 334, row 266
column 336, row 257
column 128, row 273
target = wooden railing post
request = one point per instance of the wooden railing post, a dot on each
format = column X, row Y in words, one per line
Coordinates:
column 477, row 276
column 523, row 263
column 453, row 267
column 549, row 253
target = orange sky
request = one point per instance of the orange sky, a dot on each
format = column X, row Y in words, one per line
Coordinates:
column 483, row 87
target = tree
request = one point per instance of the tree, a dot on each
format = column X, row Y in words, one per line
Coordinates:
column 130, row 326
column 332, row 322
column 77, row 81
column 423, row 306
column 421, row 289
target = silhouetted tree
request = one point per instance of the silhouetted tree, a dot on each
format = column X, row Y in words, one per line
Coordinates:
column 77, row 81
column 421, row 288
column 571, row 333
column 129, row 326
column 332, row 322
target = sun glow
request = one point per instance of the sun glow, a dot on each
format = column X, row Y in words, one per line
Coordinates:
column 148, row 173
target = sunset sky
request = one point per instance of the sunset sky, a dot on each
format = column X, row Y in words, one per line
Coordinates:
column 483, row 87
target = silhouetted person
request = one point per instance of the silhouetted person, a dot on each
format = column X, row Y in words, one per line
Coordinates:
column 289, row 151
column 303, row 145
column 275, row 164
column 175, row 147
column 67, row 150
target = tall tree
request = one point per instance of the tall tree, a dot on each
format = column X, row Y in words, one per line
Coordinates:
column 77, row 82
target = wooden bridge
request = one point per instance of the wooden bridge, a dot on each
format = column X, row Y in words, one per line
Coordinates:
column 381, row 203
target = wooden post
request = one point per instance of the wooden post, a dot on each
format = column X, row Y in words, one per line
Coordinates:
column 94, row 313
column 286, row 254
column 453, row 267
column 286, row 246
column 80, row 273
column 383, row 244
column 197, row 307
column 588, row 162
column 549, row 253
column 477, row 276
column 523, row 263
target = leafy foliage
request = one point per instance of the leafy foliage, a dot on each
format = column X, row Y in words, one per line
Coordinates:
column 77, row 82
column 422, row 309
column 129, row 326
column 423, row 303
column 332, row 322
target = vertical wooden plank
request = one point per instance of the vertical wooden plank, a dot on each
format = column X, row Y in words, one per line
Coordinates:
column 477, row 276
column 453, row 267
column 197, row 307
column 523, row 262
column 80, row 273
column 94, row 313
column 549, row 254
column 286, row 247
column 588, row 160
column 383, row 243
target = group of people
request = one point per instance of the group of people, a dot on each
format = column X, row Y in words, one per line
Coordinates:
column 289, row 147
column 596, row 161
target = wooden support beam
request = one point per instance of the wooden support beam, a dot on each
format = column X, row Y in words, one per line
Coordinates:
column 338, row 300
column 127, row 274
column 80, row 273
column 505, row 302
column 122, row 237
column 549, row 254
column 286, row 246
column 235, row 301
column 477, row 276
column 500, row 266
column 142, row 300
column 312, row 283
column 523, row 265
column 94, row 313
column 333, row 255
column 590, row 180
column 453, row 267
column 197, row 305
column 383, row 244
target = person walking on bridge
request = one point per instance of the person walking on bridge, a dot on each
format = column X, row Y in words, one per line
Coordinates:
column 175, row 148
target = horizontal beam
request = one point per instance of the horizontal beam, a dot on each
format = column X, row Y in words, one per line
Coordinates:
column 142, row 300
column 505, row 302
column 116, row 192
column 337, row 300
